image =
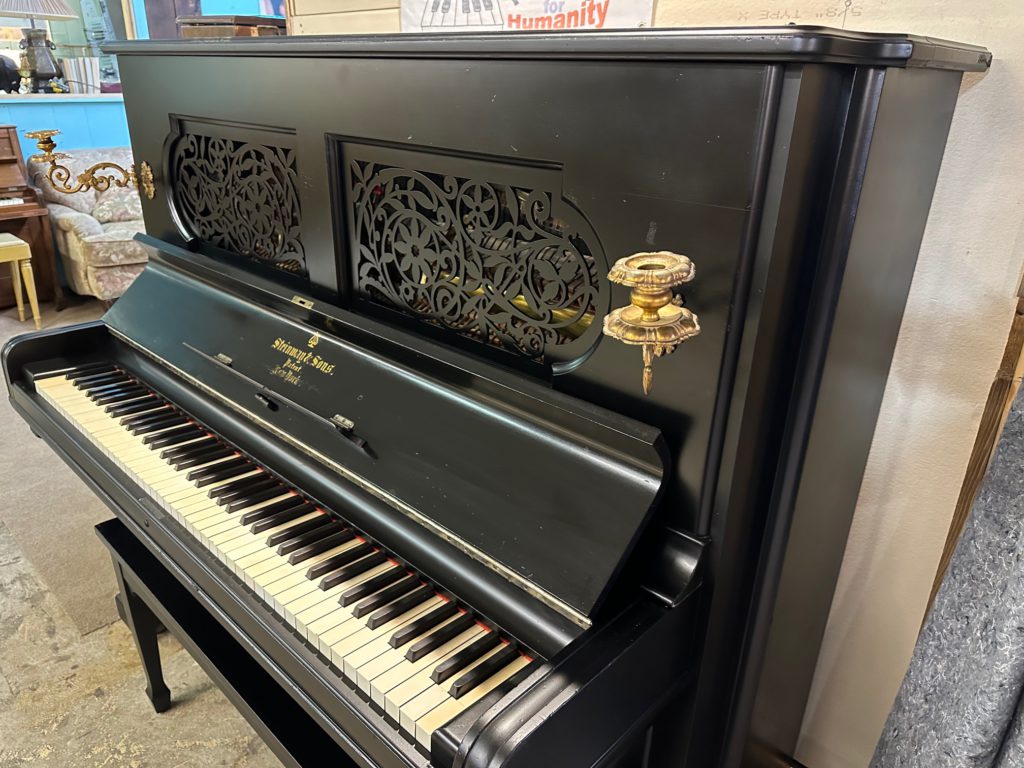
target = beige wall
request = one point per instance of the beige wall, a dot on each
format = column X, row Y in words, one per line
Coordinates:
column 956, row 324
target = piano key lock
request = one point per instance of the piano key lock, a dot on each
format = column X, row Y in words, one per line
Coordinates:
column 655, row 318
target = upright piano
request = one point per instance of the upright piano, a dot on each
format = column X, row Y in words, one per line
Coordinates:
column 373, row 456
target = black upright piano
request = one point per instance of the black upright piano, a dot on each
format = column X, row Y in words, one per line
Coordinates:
column 502, row 400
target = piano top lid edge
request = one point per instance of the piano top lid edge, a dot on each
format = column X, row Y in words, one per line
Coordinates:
column 555, row 500
column 788, row 43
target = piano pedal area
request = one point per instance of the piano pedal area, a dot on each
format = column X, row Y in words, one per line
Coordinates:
column 404, row 645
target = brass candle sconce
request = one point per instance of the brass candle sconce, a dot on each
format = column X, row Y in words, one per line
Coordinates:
column 93, row 177
column 655, row 318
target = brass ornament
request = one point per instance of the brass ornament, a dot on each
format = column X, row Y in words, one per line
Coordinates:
column 99, row 177
column 655, row 318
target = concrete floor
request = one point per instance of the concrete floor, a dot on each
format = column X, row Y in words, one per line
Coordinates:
column 69, row 700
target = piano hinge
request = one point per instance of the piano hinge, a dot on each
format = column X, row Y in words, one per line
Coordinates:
column 302, row 302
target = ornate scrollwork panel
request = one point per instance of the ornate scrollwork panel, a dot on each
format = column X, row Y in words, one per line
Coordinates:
column 489, row 258
column 239, row 195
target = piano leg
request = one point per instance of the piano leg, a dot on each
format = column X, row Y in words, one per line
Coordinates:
column 144, row 627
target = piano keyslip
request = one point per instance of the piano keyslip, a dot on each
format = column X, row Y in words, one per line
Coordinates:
column 357, row 604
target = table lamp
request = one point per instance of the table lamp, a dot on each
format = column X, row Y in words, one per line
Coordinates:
column 36, row 47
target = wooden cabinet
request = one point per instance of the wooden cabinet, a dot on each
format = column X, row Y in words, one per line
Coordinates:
column 23, row 214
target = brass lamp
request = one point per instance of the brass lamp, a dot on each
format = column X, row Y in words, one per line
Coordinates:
column 37, row 57
column 91, row 178
column 655, row 318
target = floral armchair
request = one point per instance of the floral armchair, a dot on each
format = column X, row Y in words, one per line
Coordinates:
column 93, row 231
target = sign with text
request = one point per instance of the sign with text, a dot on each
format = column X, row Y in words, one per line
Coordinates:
column 515, row 15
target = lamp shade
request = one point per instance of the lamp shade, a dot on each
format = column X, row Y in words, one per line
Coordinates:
column 54, row 10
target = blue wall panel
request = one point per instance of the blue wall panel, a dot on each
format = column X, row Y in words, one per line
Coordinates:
column 84, row 122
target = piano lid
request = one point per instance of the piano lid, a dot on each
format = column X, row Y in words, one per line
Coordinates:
column 547, row 490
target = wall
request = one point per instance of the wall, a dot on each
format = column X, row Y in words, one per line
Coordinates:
column 84, row 120
column 956, row 324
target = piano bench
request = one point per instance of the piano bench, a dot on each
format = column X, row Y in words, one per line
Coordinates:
column 16, row 252
column 151, row 596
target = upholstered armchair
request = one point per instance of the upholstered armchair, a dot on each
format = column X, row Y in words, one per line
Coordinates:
column 93, row 231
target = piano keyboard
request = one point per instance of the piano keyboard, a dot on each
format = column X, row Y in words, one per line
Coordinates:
column 5, row 201
column 407, row 648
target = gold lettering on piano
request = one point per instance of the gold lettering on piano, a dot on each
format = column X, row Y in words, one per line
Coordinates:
column 297, row 360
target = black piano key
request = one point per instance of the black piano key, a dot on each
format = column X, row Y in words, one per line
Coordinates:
column 400, row 606
column 281, row 518
column 337, row 561
column 107, row 389
column 122, row 397
column 451, row 666
column 336, row 539
column 368, row 587
column 99, row 379
column 476, row 6
column 256, row 497
column 247, row 492
column 129, row 409
column 374, row 600
column 234, row 465
column 433, row 8
column 241, row 483
column 423, row 624
column 421, row 648
column 291, row 502
column 88, row 385
column 190, row 450
column 170, row 420
column 212, row 454
column 137, row 399
column 89, row 369
column 301, row 531
column 131, row 421
column 173, row 436
column 353, row 569
column 490, row 666
column 182, row 451
column 319, row 532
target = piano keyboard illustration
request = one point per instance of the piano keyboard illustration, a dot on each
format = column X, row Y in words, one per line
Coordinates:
column 462, row 13
column 409, row 649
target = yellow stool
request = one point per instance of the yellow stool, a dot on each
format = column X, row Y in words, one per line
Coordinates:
column 17, row 253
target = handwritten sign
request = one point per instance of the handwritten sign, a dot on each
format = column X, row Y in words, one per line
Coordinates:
column 515, row 15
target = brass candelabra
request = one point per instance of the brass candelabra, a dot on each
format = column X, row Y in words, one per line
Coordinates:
column 99, row 177
column 655, row 318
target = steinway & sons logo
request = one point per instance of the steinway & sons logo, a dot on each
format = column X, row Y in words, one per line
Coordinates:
column 297, row 360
